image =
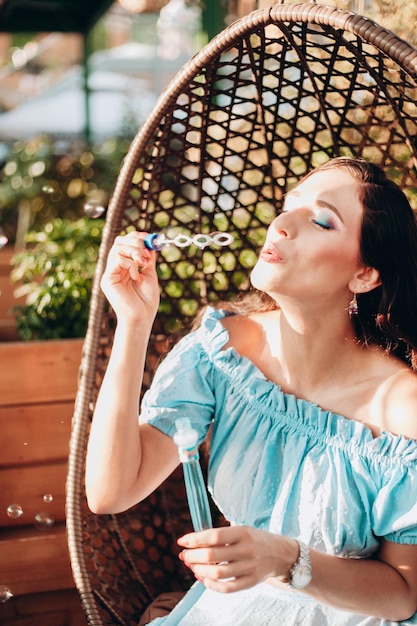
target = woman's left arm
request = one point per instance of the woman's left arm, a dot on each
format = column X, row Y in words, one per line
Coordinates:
column 238, row 557
column 384, row 586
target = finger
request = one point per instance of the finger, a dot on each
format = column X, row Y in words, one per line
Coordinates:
column 119, row 266
column 212, row 556
column 222, row 572
column 226, row 577
column 210, row 537
column 129, row 253
column 227, row 585
column 134, row 251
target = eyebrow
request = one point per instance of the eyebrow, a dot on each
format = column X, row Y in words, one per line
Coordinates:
column 321, row 203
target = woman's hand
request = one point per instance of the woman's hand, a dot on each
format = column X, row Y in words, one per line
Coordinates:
column 130, row 282
column 237, row 557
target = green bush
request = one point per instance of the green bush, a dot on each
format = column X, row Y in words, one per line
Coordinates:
column 44, row 192
column 55, row 274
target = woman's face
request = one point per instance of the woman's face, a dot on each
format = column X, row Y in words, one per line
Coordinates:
column 312, row 248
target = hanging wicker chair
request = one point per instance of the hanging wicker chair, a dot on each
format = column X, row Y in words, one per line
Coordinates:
column 275, row 94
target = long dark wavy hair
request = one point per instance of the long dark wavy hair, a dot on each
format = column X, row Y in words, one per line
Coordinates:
column 387, row 315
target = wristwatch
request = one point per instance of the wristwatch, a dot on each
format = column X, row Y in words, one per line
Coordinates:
column 301, row 572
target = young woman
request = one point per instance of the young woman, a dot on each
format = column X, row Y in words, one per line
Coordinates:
column 312, row 400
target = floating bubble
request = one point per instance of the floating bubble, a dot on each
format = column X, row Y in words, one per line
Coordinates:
column 14, row 511
column 48, row 189
column 48, row 497
column 93, row 208
column 3, row 239
column 43, row 521
column 5, row 593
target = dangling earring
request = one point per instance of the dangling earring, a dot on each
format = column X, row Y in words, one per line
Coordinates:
column 353, row 306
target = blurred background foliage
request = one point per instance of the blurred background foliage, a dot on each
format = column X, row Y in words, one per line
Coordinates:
column 40, row 183
column 43, row 178
column 46, row 185
column 399, row 16
column 51, row 203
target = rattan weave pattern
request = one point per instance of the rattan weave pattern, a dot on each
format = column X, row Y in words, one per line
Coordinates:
column 275, row 94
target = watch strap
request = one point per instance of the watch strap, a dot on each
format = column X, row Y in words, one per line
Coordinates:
column 302, row 565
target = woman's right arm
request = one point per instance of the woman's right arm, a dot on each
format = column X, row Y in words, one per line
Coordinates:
column 125, row 461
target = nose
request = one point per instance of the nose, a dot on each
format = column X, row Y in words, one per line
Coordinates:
column 281, row 225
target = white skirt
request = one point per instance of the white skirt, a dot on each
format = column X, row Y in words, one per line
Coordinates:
column 262, row 605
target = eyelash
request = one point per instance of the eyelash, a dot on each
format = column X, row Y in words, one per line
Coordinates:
column 325, row 225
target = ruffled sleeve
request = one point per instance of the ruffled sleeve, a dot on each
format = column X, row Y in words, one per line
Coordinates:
column 183, row 383
column 395, row 506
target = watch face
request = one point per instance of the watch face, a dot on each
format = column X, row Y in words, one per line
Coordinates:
column 302, row 575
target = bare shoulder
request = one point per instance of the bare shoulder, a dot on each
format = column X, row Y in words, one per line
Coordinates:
column 248, row 333
column 396, row 400
column 243, row 331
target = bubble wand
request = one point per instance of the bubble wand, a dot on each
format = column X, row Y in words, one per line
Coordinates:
column 186, row 441
column 156, row 241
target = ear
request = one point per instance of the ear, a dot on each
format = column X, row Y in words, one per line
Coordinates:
column 364, row 280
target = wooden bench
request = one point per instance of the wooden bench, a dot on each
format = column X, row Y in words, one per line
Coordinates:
column 38, row 382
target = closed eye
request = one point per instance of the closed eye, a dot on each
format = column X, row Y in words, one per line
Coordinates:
column 324, row 221
column 323, row 225
column 322, row 218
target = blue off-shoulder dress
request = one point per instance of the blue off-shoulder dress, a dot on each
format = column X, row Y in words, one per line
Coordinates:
column 285, row 465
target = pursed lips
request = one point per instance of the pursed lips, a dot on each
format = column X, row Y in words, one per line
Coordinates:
column 270, row 254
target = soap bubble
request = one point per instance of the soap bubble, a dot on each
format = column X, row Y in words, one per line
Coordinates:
column 93, row 208
column 3, row 239
column 43, row 521
column 5, row 593
column 48, row 497
column 14, row 511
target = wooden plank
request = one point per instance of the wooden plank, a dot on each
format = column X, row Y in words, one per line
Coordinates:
column 53, row 608
column 34, row 433
column 32, row 561
column 8, row 330
column 39, row 371
column 27, row 487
